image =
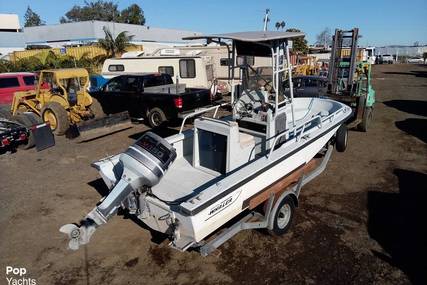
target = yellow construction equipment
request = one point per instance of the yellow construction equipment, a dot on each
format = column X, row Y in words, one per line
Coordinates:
column 62, row 100
column 306, row 65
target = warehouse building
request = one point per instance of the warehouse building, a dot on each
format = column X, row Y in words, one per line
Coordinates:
column 11, row 37
column 410, row 51
column 83, row 33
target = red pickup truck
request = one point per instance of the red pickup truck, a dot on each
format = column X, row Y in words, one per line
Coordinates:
column 14, row 82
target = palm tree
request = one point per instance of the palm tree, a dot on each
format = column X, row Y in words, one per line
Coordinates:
column 282, row 24
column 277, row 25
column 115, row 46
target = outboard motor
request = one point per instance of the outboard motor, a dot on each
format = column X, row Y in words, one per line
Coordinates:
column 144, row 164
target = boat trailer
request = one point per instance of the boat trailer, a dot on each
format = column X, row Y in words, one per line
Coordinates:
column 289, row 186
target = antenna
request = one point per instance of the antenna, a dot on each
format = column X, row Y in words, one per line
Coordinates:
column 266, row 18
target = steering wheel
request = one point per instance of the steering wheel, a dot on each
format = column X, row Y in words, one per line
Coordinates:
column 243, row 108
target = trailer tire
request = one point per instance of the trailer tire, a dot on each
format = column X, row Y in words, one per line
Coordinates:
column 366, row 120
column 283, row 216
column 57, row 117
column 156, row 117
column 341, row 138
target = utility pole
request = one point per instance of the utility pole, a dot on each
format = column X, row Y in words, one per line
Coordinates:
column 266, row 19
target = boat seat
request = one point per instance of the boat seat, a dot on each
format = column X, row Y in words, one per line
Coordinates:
column 234, row 152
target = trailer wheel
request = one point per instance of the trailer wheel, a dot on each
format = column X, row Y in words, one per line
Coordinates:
column 57, row 117
column 283, row 216
column 156, row 117
column 366, row 120
column 341, row 138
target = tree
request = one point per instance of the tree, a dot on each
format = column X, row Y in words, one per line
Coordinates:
column 132, row 15
column 101, row 10
column 92, row 11
column 115, row 46
column 280, row 25
column 324, row 38
column 32, row 19
column 299, row 44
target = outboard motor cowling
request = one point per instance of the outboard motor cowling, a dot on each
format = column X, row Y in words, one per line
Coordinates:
column 144, row 164
column 146, row 161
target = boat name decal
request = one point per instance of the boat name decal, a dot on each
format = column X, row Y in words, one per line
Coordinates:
column 221, row 205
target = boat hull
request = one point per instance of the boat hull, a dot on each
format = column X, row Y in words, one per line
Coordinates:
column 209, row 216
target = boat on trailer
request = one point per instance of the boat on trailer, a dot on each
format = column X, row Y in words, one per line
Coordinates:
column 191, row 184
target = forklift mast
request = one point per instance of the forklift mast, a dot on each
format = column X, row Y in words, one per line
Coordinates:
column 342, row 65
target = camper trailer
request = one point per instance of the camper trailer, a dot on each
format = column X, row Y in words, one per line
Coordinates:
column 195, row 66
column 194, row 71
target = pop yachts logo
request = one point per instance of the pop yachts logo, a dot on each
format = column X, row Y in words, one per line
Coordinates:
column 17, row 276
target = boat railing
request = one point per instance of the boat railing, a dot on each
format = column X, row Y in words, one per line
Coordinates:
column 201, row 111
column 300, row 130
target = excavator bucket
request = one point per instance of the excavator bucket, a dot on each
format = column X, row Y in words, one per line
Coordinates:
column 96, row 128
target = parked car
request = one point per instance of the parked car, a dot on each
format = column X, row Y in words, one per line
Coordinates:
column 13, row 82
column 307, row 86
column 152, row 97
column 386, row 58
column 12, row 135
column 415, row 60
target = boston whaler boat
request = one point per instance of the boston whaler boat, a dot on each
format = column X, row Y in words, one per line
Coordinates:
column 190, row 184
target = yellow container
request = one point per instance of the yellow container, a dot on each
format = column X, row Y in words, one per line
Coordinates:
column 76, row 52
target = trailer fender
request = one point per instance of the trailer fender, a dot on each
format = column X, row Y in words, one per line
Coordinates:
column 272, row 214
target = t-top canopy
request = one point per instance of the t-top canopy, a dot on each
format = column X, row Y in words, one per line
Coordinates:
column 256, row 43
column 254, row 36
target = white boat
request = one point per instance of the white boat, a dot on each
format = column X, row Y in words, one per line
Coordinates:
column 190, row 184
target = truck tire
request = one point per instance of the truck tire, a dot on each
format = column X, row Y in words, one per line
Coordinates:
column 57, row 117
column 283, row 216
column 27, row 121
column 366, row 120
column 96, row 109
column 341, row 138
column 5, row 112
column 156, row 117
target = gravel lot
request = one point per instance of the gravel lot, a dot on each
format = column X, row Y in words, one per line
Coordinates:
column 362, row 221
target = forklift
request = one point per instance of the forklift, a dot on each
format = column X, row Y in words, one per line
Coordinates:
column 349, row 79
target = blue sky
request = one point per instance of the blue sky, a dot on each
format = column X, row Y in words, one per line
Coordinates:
column 381, row 22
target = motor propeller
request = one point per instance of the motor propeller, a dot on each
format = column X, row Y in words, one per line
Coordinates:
column 78, row 235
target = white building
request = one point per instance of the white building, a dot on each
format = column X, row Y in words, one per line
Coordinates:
column 81, row 33
column 11, row 37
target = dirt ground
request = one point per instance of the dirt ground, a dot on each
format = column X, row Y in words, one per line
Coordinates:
column 362, row 221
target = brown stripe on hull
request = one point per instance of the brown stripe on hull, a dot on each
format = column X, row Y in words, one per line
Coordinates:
column 278, row 187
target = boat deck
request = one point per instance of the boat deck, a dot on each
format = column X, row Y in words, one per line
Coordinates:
column 182, row 181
